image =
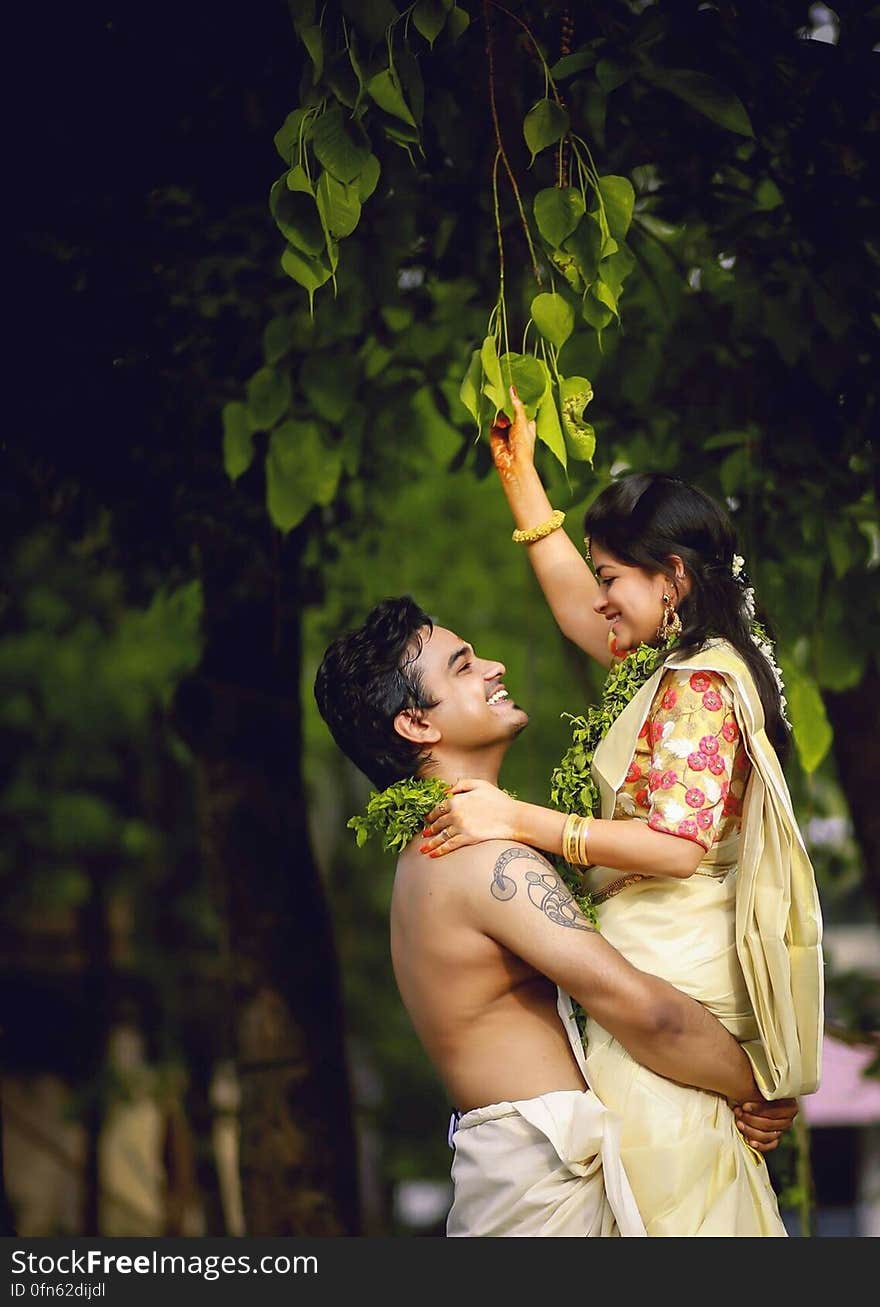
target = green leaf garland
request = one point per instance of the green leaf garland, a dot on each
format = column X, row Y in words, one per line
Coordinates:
column 398, row 812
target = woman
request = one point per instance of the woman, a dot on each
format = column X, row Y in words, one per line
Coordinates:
column 696, row 863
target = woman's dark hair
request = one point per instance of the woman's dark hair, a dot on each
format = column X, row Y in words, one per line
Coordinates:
column 365, row 679
column 643, row 519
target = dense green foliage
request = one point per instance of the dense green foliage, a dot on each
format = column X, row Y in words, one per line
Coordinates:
column 734, row 282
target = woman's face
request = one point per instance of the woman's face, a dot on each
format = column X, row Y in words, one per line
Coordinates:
column 630, row 599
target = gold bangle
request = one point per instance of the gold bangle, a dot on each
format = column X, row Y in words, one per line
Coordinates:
column 567, row 829
column 574, row 840
column 529, row 535
column 583, row 856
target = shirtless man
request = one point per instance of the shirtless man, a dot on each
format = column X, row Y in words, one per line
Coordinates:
column 488, row 944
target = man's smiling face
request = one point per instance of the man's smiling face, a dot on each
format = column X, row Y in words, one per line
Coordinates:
column 473, row 708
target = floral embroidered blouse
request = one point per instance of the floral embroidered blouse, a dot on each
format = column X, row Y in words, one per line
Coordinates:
column 690, row 767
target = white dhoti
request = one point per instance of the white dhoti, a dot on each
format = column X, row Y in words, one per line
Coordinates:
column 547, row 1166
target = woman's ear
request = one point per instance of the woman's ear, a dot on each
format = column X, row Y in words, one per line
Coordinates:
column 413, row 726
column 680, row 577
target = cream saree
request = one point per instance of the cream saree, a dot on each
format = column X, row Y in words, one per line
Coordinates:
column 743, row 936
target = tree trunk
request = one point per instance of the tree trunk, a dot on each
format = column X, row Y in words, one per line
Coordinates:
column 243, row 717
column 98, row 993
column 854, row 714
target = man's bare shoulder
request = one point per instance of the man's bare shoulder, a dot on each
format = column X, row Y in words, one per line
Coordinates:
column 479, row 868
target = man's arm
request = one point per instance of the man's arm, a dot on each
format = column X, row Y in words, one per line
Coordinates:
column 516, row 897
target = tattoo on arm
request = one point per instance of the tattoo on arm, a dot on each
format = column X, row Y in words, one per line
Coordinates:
column 545, row 890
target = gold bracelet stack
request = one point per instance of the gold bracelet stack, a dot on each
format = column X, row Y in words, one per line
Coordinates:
column 575, row 834
column 529, row 535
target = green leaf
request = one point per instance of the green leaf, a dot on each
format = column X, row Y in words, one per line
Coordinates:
column 371, row 18
column 238, row 441
column 301, row 471
column 409, row 75
column 403, row 135
column 595, row 312
column 342, row 80
column 443, row 440
column 548, row 427
column 605, row 295
column 375, row 357
column 386, row 90
column 396, row 318
column 471, row 390
column 338, row 205
column 839, row 537
column 268, row 397
column 806, row 711
column 329, row 382
column 584, row 246
column 734, row 471
column 767, row 195
column 567, row 264
column 610, row 74
column 297, row 217
column 341, row 146
column 706, row 95
column 494, row 388
column 429, row 18
column 368, row 179
column 618, row 198
column 570, row 64
column 545, row 123
column 277, row 338
column 459, row 22
column 291, row 133
column 298, row 181
column 616, row 268
column 530, row 377
column 312, row 38
column 558, row 212
column 724, row 439
column 351, row 446
column 838, row 659
column 554, row 318
column 575, row 394
column 310, row 273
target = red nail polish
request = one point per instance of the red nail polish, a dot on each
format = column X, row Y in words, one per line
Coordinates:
column 435, row 854
column 423, row 849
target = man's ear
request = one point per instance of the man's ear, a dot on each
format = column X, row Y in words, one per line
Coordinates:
column 414, row 727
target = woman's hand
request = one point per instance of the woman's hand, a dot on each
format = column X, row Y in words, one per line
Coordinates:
column 513, row 445
column 762, row 1123
column 472, row 812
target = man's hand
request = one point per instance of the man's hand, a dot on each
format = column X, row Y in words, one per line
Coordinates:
column 513, row 445
column 761, row 1123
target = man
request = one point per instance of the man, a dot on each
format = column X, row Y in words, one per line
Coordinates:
column 488, row 944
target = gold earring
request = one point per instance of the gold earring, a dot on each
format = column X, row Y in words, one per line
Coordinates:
column 670, row 622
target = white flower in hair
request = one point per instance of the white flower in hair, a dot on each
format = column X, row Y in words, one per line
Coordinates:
column 759, row 637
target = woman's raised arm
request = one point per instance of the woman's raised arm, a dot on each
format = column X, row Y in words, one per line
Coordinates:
column 568, row 584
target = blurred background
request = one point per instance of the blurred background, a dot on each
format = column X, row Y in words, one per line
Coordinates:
column 199, row 1028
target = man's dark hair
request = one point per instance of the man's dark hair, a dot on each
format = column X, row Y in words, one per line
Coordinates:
column 365, row 679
